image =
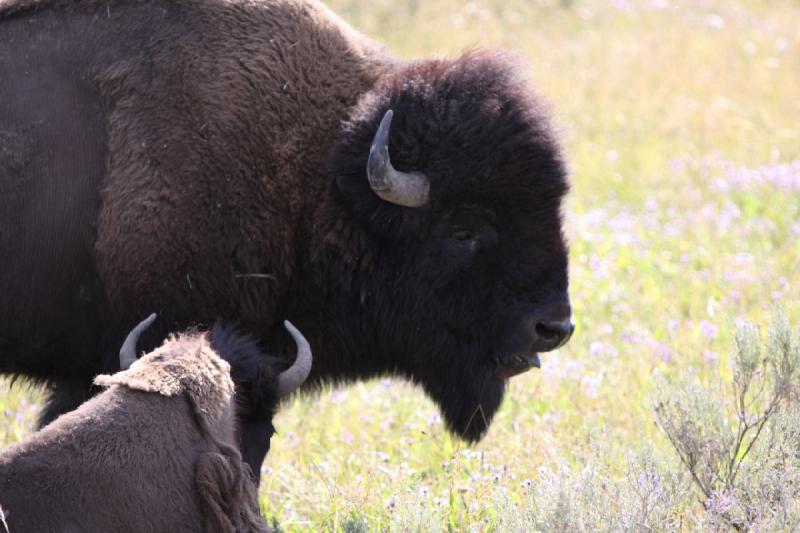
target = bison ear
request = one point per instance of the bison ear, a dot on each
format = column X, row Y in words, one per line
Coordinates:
column 227, row 495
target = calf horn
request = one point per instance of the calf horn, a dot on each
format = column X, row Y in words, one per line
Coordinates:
column 127, row 354
column 290, row 379
column 409, row 189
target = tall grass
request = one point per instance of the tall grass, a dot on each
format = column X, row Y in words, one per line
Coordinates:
column 682, row 125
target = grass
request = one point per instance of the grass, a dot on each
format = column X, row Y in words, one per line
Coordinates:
column 682, row 126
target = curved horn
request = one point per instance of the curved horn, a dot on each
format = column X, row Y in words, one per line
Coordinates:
column 127, row 354
column 409, row 189
column 294, row 376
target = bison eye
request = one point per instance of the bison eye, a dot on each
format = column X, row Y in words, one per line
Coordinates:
column 464, row 235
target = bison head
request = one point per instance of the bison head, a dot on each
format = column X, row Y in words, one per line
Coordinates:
column 449, row 183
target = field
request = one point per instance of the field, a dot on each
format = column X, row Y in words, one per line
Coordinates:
column 681, row 121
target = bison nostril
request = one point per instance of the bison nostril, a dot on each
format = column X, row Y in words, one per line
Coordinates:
column 559, row 332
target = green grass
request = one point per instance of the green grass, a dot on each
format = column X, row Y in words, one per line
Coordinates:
column 670, row 246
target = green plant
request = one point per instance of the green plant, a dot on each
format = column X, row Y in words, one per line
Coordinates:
column 741, row 449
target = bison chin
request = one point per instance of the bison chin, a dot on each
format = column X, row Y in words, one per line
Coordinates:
column 467, row 404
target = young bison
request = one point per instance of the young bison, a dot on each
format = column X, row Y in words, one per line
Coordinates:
column 157, row 450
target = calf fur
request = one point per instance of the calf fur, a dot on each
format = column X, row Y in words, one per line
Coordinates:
column 156, row 451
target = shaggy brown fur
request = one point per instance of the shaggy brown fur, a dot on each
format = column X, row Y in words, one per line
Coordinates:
column 206, row 159
column 151, row 453
column 207, row 121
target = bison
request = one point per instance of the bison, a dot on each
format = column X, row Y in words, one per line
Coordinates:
column 155, row 452
column 246, row 160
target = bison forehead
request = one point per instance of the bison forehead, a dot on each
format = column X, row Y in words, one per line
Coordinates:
column 474, row 126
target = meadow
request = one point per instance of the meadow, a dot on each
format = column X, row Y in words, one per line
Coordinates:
column 681, row 122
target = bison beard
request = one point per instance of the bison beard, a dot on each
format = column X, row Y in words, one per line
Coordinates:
column 468, row 410
column 211, row 160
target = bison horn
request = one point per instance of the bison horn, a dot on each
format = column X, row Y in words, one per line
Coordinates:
column 294, row 376
column 127, row 354
column 409, row 189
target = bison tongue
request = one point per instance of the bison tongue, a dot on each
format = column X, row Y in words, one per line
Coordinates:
column 509, row 365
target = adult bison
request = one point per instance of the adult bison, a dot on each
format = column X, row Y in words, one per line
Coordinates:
column 231, row 159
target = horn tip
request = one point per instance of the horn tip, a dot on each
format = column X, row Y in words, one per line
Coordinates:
column 293, row 330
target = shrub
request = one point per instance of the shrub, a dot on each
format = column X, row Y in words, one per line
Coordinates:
column 742, row 450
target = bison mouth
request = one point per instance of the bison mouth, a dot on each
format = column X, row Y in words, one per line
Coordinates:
column 512, row 364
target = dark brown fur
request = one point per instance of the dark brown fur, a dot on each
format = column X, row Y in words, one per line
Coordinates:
column 155, row 452
column 206, row 159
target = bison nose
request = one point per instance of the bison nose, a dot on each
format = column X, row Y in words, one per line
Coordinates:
column 554, row 334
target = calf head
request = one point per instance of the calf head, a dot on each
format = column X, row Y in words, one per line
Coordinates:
column 261, row 383
column 205, row 366
column 184, row 364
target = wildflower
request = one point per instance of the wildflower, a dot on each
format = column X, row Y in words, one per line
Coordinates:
column 434, row 419
column 708, row 329
column 592, row 384
column 662, row 351
column 602, row 349
column 390, row 503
